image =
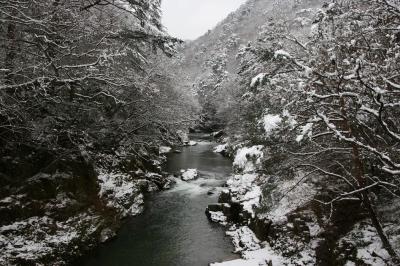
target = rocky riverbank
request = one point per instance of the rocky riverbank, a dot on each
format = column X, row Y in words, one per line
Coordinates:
column 278, row 221
column 55, row 209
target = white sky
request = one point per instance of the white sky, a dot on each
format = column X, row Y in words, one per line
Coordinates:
column 189, row 19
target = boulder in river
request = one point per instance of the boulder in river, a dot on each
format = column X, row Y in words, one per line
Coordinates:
column 189, row 174
column 192, row 143
column 183, row 137
column 107, row 234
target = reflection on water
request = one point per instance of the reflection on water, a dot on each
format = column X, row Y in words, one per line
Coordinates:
column 173, row 230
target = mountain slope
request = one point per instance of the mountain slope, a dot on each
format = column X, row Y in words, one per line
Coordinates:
column 209, row 64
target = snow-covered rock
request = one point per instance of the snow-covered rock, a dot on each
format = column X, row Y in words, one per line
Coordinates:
column 218, row 217
column 244, row 239
column 189, row 174
column 220, row 148
column 106, row 235
column 33, row 239
column 244, row 189
column 164, row 149
column 121, row 193
column 192, row 143
column 183, row 136
column 247, row 159
column 253, row 252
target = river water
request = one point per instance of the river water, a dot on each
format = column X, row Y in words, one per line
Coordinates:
column 173, row 230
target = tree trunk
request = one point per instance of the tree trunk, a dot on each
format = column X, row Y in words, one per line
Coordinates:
column 358, row 172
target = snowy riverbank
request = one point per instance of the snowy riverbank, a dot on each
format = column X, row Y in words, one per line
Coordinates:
column 277, row 222
column 55, row 216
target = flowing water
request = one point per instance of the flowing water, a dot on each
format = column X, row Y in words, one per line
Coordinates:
column 173, row 230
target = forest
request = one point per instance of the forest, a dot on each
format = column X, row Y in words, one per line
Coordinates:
column 103, row 113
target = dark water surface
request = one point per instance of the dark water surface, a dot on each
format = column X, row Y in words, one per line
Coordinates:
column 173, row 230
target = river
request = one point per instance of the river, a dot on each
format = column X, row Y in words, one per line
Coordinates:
column 173, row 230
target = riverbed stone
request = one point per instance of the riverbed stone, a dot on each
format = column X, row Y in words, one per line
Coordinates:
column 215, row 207
column 225, row 197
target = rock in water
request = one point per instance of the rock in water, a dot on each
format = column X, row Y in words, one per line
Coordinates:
column 164, row 149
column 192, row 143
column 183, row 137
column 189, row 174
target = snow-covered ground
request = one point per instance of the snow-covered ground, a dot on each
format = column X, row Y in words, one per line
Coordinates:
column 121, row 193
column 220, row 148
column 297, row 230
column 245, row 188
column 68, row 225
column 30, row 240
column 369, row 248
column 253, row 251
column 247, row 159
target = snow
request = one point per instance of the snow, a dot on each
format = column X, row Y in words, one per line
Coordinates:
column 37, row 237
column 251, row 199
column 288, row 196
column 192, row 143
column 314, row 29
column 306, row 130
column 218, row 217
column 271, row 122
column 257, row 80
column 247, row 159
column 331, row 5
column 291, row 119
column 244, row 189
column 253, row 251
column 369, row 110
column 244, row 239
column 240, row 184
column 367, row 243
column 120, row 191
column 220, row 148
column 164, row 149
column 303, row 21
column 379, row 91
column 239, row 262
column 282, row 53
column 189, row 174
column 314, row 228
column 266, row 254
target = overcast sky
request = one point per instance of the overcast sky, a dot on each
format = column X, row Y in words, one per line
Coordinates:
column 189, row 19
